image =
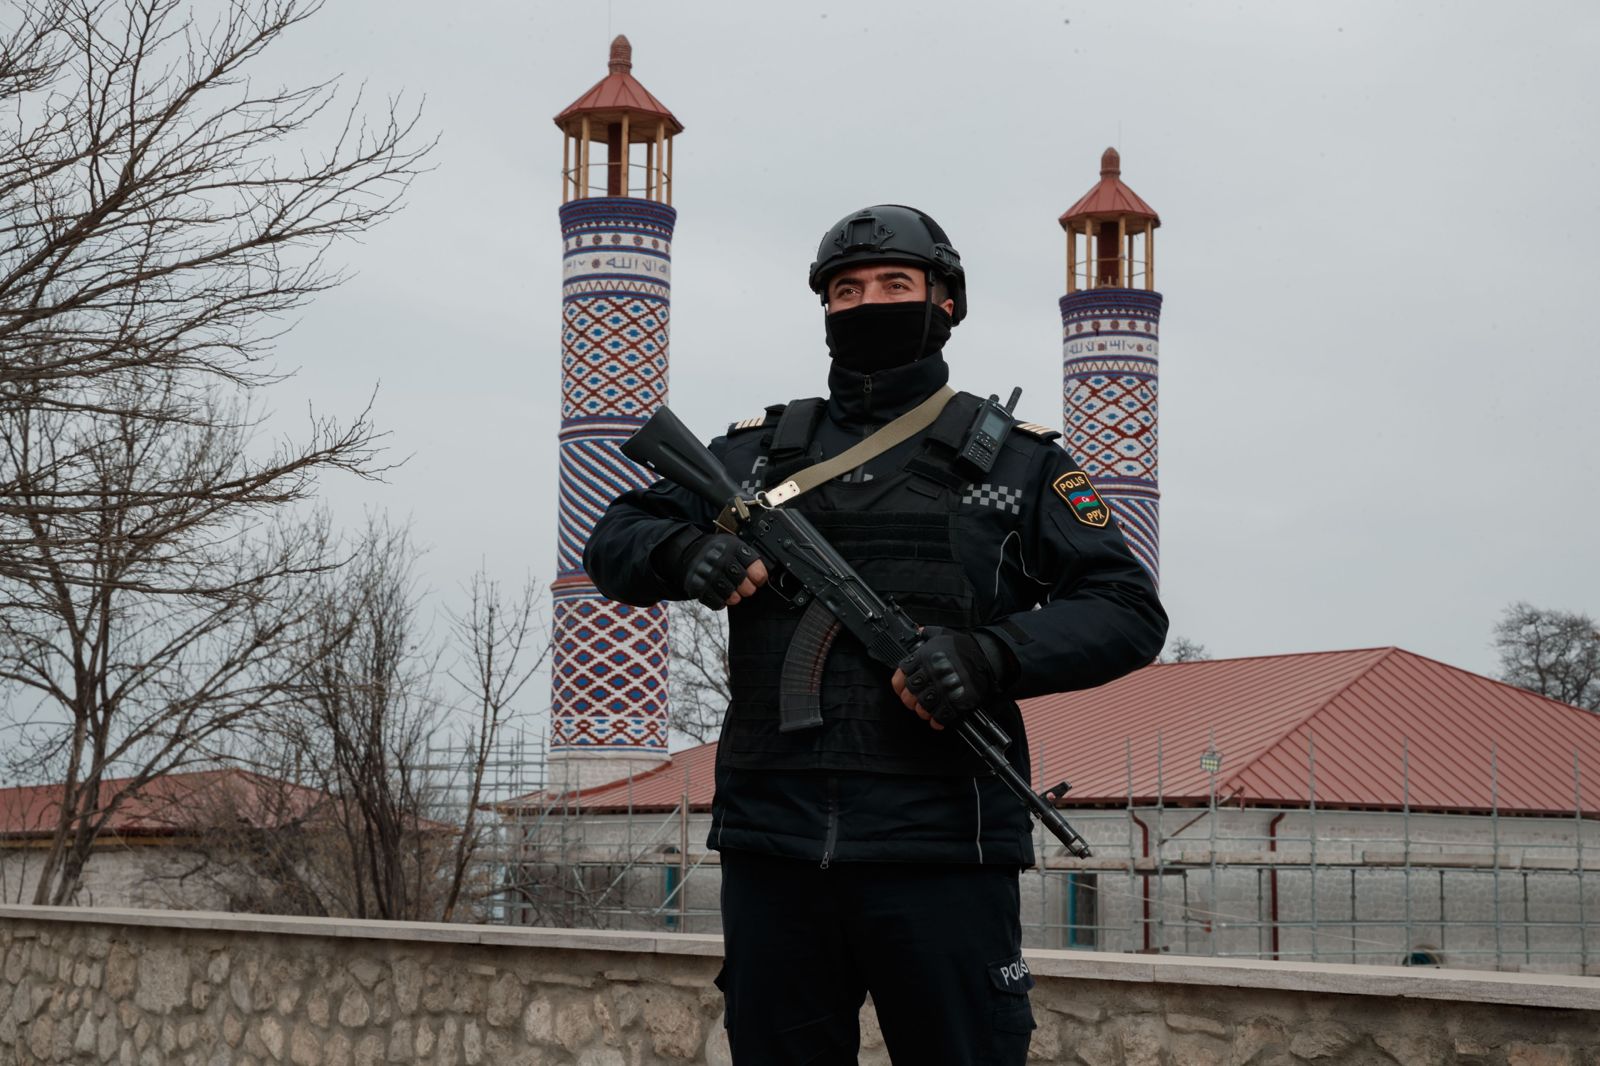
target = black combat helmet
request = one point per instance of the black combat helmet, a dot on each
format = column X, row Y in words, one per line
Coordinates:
column 891, row 233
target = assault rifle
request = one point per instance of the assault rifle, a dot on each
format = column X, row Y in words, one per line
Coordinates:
column 834, row 596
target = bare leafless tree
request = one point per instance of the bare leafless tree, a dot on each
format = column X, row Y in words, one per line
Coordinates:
column 143, row 632
column 366, row 706
column 159, row 216
column 698, row 670
column 1553, row 653
column 361, row 711
column 158, row 210
column 1184, row 650
column 502, row 643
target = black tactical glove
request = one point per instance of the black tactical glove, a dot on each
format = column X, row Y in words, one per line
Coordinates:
column 954, row 672
column 709, row 567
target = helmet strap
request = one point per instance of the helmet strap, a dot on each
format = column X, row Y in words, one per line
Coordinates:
column 927, row 309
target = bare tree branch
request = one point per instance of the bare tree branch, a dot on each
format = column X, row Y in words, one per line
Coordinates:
column 1184, row 650
column 160, row 215
column 504, row 643
column 698, row 670
column 1553, row 653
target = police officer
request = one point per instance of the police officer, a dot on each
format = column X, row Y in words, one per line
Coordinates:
column 876, row 854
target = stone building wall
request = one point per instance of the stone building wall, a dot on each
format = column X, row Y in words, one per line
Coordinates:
column 196, row 989
column 118, row 875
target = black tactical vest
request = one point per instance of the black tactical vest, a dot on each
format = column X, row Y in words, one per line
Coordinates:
column 899, row 532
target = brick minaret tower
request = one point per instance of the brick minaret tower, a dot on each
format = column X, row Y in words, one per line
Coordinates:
column 608, row 699
column 1111, row 327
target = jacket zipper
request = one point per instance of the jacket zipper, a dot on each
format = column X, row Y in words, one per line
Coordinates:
column 832, row 838
column 977, row 811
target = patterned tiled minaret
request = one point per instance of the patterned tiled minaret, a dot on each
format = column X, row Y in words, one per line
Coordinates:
column 1111, row 328
column 608, row 699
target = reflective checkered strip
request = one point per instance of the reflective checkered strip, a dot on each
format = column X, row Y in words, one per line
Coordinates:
column 753, row 482
column 997, row 496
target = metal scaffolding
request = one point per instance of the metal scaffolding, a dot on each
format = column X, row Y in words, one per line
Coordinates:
column 1484, row 889
column 514, row 765
column 615, row 869
column 1488, row 889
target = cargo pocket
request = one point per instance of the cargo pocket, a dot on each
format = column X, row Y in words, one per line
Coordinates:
column 1010, row 1013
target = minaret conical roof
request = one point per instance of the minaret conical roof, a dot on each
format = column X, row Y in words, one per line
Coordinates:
column 618, row 93
column 1110, row 198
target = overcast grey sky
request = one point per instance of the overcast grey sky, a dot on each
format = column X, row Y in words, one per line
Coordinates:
column 1378, row 252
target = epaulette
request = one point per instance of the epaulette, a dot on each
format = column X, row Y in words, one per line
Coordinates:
column 1034, row 429
column 760, row 421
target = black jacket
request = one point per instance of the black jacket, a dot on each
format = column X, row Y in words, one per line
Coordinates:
column 1066, row 597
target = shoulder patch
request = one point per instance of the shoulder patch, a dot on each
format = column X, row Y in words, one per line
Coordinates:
column 770, row 418
column 1081, row 499
column 1034, row 429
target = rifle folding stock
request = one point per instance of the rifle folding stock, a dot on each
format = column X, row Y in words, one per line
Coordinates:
column 835, row 596
column 665, row 445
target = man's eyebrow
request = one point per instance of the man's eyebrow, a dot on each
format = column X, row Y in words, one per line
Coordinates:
column 885, row 275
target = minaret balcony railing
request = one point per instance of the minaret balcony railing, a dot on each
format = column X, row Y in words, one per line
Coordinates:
column 1119, row 272
column 641, row 181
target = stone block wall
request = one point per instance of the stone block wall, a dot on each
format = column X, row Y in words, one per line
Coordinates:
column 197, row 989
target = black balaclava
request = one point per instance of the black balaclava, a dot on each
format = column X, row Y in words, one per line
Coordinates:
column 878, row 336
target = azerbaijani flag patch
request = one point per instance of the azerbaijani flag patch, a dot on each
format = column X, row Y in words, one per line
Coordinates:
column 1081, row 499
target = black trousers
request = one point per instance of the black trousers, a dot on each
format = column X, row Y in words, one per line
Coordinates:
column 939, row 947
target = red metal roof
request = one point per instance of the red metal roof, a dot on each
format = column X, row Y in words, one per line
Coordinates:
column 1110, row 198
column 1355, row 718
column 167, row 805
column 1373, row 728
column 619, row 93
column 660, row 789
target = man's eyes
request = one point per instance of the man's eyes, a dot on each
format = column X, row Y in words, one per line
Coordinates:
column 856, row 290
